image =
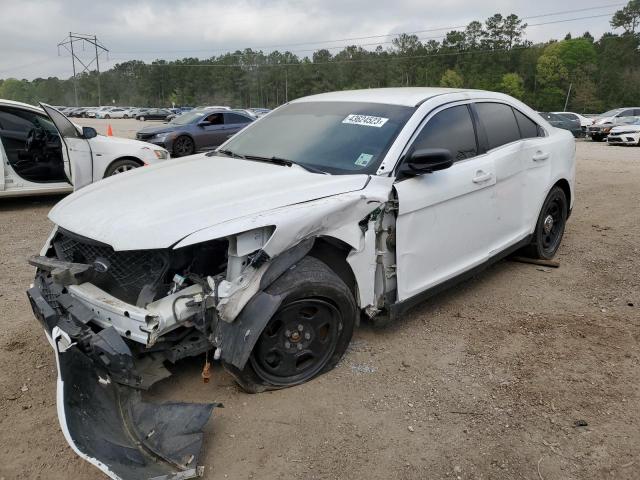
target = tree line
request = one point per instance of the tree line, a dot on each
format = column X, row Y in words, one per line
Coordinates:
column 493, row 55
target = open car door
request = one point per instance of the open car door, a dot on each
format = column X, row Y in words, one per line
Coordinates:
column 76, row 151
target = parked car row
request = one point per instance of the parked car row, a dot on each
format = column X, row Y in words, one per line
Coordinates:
column 618, row 127
column 147, row 113
column 616, row 123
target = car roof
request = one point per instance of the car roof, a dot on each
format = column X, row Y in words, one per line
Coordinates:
column 12, row 103
column 407, row 96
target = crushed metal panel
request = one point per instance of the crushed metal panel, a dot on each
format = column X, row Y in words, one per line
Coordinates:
column 112, row 428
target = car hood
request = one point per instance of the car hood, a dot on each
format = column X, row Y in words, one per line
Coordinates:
column 602, row 120
column 105, row 141
column 626, row 128
column 158, row 129
column 156, row 206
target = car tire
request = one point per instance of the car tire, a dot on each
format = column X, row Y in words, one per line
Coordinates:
column 121, row 166
column 125, row 116
column 550, row 226
column 183, row 146
column 307, row 335
column 597, row 138
column 107, row 117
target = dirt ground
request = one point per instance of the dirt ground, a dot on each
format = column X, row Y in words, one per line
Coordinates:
column 490, row 380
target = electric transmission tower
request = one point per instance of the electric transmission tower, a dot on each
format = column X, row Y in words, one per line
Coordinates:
column 71, row 44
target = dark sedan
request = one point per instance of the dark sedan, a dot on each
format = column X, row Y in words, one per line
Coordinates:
column 195, row 130
column 566, row 123
column 153, row 114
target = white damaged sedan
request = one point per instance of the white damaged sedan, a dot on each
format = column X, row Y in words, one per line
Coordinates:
column 269, row 251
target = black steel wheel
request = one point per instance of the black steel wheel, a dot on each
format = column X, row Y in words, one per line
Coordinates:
column 550, row 226
column 307, row 335
column 183, row 146
column 297, row 342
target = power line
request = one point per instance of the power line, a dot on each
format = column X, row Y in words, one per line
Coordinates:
column 334, row 62
column 342, row 47
column 454, row 27
column 83, row 38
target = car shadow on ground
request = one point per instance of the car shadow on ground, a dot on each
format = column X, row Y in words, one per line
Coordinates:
column 25, row 203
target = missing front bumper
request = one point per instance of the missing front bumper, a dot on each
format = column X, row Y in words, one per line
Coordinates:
column 108, row 424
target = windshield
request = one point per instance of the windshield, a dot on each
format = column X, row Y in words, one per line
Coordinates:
column 185, row 118
column 611, row 113
column 335, row 137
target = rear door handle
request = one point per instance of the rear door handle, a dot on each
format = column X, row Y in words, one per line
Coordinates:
column 482, row 177
column 540, row 156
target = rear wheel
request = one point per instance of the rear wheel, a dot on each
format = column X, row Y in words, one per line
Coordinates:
column 121, row 166
column 183, row 146
column 308, row 334
column 550, row 226
column 107, row 117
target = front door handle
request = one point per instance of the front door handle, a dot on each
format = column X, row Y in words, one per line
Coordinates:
column 540, row 156
column 482, row 177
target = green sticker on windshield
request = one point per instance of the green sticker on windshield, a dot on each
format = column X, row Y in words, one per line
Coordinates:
column 364, row 159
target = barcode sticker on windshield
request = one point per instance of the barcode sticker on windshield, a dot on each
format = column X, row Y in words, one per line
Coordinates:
column 365, row 120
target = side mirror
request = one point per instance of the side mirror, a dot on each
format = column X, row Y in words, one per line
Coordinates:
column 426, row 160
column 89, row 132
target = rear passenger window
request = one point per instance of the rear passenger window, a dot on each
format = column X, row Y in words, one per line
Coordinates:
column 451, row 129
column 528, row 128
column 233, row 118
column 499, row 122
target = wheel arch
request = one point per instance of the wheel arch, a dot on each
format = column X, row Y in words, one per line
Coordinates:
column 242, row 333
column 125, row 157
column 566, row 188
column 333, row 252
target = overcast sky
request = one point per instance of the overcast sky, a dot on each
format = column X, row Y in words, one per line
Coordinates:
column 169, row 29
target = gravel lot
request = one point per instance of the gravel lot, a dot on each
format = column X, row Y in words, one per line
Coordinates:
column 485, row 381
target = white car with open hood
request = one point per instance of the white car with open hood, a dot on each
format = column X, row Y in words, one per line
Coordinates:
column 269, row 250
column 42, row 152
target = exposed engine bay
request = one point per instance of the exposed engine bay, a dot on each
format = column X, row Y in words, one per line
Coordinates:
column 132, row 314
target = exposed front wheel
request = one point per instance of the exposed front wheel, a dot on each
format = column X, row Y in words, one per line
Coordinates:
column 307, row 335
column 550, row 226
column 121, row 166
column 183, row 146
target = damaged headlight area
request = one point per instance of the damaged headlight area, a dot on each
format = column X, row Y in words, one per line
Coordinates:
column 117, row 320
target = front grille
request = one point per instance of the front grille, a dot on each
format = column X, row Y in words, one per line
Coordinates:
column 122, row 274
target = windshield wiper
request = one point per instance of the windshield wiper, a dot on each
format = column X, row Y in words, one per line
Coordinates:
column 228, row 153
column 276, row 160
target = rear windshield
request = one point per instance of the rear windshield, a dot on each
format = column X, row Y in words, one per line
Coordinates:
column 335, row 137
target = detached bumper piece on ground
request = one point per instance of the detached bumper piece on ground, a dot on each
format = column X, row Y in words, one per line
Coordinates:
column 104, row 420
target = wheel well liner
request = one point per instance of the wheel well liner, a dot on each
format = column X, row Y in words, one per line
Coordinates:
column 334, row 253
column 240, row 336
column 566, row 188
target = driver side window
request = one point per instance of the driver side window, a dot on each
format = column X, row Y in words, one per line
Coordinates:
column 215, row 119
column 451, row 129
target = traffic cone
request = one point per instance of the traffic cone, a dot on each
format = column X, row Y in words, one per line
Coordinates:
column 109, row 131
